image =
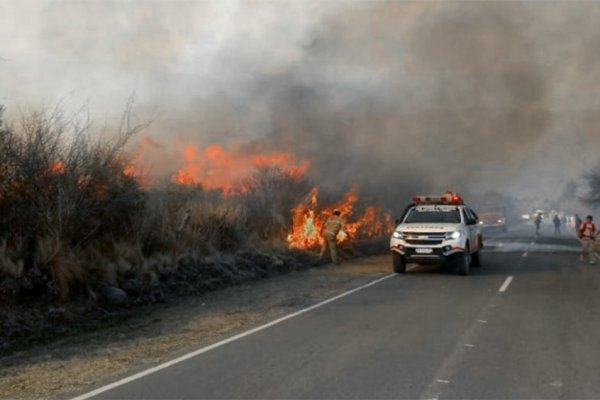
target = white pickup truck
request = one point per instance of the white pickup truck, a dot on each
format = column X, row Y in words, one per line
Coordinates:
column 437, row 229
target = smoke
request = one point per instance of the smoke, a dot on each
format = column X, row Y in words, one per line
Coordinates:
column 394, row 97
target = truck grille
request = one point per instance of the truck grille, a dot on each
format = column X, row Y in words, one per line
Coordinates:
column 424, row 241
column 425, row 238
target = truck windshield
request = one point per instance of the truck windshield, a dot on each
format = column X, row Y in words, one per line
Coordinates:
column 442, row 216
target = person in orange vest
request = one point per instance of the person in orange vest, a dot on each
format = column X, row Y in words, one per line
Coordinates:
column 332, row 226
column 587, row 235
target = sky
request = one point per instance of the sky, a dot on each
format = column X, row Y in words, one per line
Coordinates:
column 393, row 96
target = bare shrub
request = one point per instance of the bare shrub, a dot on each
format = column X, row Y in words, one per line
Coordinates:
column 269, row 196
column 57, row 183
column 215, row 227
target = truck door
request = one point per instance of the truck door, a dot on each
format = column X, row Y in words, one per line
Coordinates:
column 472, row 229
column 475, row 231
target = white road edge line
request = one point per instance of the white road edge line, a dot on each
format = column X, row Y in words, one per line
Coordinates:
column 505, row 284
column 223, row 342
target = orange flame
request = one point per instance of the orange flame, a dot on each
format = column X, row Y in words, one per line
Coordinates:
column 56, row 167
column 132, row 168
column 308, row 222
column 215, row 168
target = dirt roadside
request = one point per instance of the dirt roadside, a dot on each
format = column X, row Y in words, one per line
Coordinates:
column 72, row 365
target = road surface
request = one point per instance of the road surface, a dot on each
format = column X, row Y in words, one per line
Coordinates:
column 526, row 325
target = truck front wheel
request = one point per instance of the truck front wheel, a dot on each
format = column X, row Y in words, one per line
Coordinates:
column 462, row 262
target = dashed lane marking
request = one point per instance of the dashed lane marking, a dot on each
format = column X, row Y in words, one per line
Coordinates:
column 505, row 284
column 526, row 253
column 453, row 360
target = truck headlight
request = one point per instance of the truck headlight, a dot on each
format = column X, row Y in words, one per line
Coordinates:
column 453, row 235
column 397, row 235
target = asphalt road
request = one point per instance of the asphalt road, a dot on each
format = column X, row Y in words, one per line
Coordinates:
column 525, row 326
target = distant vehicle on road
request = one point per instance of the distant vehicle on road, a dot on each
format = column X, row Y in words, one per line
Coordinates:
column 436, row 229
column 492, row 221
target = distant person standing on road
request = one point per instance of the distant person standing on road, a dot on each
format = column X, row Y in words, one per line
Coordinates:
column 556, row 221
column 587, row 235
column 332, row 226
column 537, row 221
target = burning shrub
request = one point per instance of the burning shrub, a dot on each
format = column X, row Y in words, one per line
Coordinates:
column 309, row 217
column 268, row 196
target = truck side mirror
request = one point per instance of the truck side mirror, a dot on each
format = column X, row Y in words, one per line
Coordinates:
column 396, row 222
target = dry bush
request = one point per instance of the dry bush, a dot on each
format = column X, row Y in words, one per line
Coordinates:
column 187, row 220
column 269, row 196
column 58, row 184
column 69, row 211
column 215, row 227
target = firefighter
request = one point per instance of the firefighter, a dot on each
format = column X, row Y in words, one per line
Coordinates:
column 332, row 226
column 587, row 235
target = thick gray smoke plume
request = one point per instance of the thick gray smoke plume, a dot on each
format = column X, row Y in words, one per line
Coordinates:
column 393, row 96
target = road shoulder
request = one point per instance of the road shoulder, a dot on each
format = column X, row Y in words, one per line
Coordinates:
column 70, row 365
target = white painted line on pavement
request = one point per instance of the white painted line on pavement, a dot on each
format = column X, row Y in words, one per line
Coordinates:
column 526, row 252
column 442, row 381
column 505, row 284
column 482, row 321
column 468, row 345
column 223, row 342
